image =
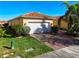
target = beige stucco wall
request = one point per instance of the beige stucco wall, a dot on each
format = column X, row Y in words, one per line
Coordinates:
column 26, row 21
column 23, row 21
column 37, row 20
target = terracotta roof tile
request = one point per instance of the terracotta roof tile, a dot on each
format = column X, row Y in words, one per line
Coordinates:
column 34, row 14
column 37, row 15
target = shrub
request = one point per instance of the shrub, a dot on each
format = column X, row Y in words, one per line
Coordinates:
column 63, row 29
column 17, row 29
column 54, row 29
column 25, row 30
column 10, row 31
column 20, row 30
column 2, row 32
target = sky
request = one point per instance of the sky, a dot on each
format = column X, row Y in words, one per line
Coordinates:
column 12, row 9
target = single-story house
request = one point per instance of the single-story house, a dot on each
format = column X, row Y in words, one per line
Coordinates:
column 37, row 22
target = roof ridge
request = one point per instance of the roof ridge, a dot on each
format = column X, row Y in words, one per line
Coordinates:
column 36, row 13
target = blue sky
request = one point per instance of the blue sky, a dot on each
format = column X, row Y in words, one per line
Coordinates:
column 12, row 9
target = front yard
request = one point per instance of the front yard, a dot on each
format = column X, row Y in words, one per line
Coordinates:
column 20, row 47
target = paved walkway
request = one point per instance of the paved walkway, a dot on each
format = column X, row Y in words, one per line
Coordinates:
column 67, row 52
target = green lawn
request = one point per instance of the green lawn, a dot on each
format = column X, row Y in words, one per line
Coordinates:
column 21, row 44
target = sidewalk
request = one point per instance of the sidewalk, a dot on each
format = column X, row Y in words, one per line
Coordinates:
column 67, row 52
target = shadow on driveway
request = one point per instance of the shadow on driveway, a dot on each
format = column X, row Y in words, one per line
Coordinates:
column 57, row 41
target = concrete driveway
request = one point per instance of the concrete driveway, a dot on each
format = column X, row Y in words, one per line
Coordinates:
column 55, row 41
column 64, row 46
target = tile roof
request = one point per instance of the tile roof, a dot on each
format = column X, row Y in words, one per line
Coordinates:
column 2, row 22
column 35, row 14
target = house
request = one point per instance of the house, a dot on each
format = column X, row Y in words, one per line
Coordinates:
column 2, row 23
column 38, row 23
column 63, row 22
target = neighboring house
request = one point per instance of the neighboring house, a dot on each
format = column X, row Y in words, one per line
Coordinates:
column 37, row 22
column 63, row 22
column 2, row 23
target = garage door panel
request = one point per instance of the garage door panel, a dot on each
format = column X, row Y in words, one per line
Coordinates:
column 38, row 27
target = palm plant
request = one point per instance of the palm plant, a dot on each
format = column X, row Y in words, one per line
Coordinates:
column 66, row 14
column 71, row 16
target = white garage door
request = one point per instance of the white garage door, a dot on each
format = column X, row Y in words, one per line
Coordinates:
column 38, row 27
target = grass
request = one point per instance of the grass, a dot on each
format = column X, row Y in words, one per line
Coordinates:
column 21, row 44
